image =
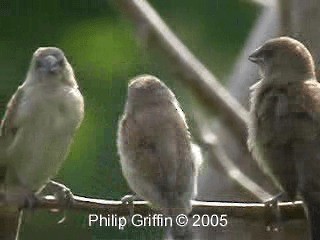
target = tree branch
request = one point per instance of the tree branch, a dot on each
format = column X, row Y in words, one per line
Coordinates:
column 289, row 210
column 192, row 71
column 208, row 139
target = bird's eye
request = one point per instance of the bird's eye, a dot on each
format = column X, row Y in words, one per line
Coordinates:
column 268, row 53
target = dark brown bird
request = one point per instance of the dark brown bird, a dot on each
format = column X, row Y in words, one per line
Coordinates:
column 284, row 126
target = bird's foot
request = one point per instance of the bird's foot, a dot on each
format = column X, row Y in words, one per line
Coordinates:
column 22, row 197
column 30, row 199
column 272, row 213
column 63, row 195
column 127, row 200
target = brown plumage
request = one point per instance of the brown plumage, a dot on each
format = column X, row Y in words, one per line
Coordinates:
column 155, row 148
column 284, row 126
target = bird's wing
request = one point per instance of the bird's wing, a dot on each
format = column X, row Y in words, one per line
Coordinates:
column 310, row 109
column 10, row 217
column 8, row 128
column 311, row 90
column 270, row 109
column 170, row 155
column 8, row 125
column 307, row 153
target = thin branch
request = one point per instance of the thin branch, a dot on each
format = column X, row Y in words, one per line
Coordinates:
column 192, row 71
column 205, row 136
column 243, row 75
column 289, row 210
column 219, row 155
column 285, row 17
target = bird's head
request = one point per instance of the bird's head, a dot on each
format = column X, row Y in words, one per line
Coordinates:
column 285, row 59
column 148, row 85
column 50, row 64
column 146, row 90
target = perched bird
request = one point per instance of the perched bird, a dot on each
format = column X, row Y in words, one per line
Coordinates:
column 284, row 126
column 36, row 132
column 156, row 153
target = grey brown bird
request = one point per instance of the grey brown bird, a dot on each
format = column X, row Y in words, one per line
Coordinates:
column 36, row 132
column 156, row 154
column 284, row 126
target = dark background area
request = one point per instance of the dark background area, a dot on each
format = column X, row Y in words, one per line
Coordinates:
column 103, row 49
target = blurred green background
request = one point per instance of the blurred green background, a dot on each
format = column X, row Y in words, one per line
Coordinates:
column 103, row 49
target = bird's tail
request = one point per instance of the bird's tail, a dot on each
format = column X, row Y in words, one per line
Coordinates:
column 179, row 230
column 9, row 223
column 312, row 203
column 181, row 227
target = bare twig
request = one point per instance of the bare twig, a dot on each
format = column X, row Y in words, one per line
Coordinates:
column 192, row 71
column 215, row 151
column 285, row 14
column 289, row 210
column 219, row 159
column 243, row 75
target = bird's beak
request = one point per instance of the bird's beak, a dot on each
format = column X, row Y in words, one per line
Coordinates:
column 50, row 63
column 256, row 56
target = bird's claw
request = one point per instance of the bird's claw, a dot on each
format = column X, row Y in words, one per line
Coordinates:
column 30, row 200
column 22, row 197
column 272, row 213
column 128, row 201
column 64, row 196
column 62, row 193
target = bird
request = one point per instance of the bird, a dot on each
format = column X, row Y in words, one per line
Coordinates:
column 36, row 132
column 284, row 122
column 157, row 157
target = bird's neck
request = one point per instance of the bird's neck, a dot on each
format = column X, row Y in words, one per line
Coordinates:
column 287, row 77
column 50, row 82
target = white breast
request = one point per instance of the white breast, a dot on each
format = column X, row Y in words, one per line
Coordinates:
column 47, row 120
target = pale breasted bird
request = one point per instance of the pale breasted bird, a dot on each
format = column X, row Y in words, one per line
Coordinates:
column 37, row 130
